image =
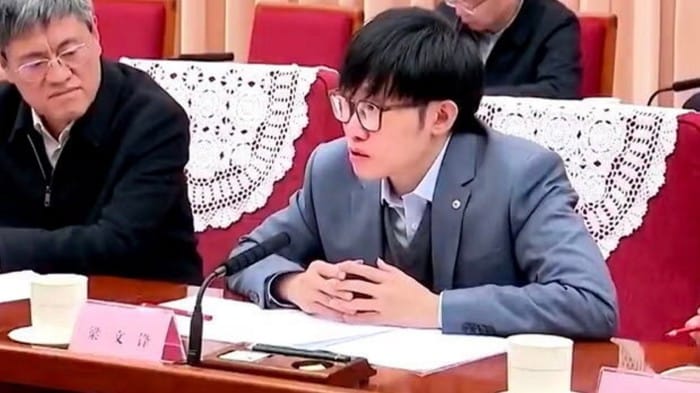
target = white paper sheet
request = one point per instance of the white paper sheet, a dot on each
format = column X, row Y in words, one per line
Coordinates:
column 421, row 351
column 15, row 285
column 235, row 321
column 416, row 350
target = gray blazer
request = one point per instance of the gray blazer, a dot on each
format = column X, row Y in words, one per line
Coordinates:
column 509, row 253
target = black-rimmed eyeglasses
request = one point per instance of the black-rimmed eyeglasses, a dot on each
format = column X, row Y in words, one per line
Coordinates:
column 369, row 114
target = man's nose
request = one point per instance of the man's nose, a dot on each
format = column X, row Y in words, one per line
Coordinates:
column 353, row 128
column 58, row 72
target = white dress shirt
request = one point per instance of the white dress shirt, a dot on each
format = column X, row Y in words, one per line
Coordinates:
column 410, row 207
column 53, row 146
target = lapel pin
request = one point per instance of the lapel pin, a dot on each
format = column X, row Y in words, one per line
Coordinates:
column 456, row 204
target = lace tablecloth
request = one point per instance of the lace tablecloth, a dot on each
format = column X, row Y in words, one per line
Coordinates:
column 615, row 155
column 244, row 119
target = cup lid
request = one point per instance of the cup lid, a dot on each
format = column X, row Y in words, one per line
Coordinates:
column 540, row 341
column 59, row 279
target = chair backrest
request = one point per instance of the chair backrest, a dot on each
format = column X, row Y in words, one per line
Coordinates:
column 656, row 270
column 152, row 35
column 635, row 170
column 215, row 244
column 598, row 38
column 310, row 35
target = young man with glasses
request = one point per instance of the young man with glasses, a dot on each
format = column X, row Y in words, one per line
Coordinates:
column 529, row 47
column 423, row 217
column 92, row 154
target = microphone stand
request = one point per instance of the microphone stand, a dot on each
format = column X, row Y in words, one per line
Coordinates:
column 194, row 348
column 233, row 265
column 656, row 93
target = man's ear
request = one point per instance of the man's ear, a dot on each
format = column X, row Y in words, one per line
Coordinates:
column 4, row 75
column 444, row 116
column 96, row 35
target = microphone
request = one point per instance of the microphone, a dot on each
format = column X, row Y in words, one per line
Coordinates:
column 686, row 84
column 253, row 254
column 679, row 86
column 232, row 266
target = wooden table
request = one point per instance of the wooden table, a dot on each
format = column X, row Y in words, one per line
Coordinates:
column 34, row 369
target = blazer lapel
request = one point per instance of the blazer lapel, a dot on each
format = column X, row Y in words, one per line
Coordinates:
column 366, row 214
column 451, row 197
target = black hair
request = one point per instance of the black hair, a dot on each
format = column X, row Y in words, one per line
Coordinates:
column 417, row 55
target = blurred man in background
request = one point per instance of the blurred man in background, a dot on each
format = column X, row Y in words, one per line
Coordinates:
column 529, row 47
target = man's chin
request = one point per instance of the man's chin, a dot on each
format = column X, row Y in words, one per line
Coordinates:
column 473, row 26
column 68, row 116
column 73, row 112
column 366, row 174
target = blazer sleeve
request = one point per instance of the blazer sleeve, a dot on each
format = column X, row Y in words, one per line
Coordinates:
column 299, row 221
column 152, row 181
column 693, row 102
column 559, row 69
column 570, row 291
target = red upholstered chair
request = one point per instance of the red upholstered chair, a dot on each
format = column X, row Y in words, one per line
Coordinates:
column 215, row 244
column 598, row 37
column 152, row 31
column 657, row 268
column 302, row 34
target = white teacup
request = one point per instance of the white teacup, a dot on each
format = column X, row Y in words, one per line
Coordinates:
column 55, row 302
column 539, row 363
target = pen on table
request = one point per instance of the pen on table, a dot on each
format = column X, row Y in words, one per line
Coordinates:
column 302, row 353
column 181, row 313
column 678, row 331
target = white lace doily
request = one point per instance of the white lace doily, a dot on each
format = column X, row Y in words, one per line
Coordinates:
column 244, row 119
column 615, row 156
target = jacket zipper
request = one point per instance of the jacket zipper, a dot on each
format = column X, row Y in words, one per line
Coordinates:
column 47, row 181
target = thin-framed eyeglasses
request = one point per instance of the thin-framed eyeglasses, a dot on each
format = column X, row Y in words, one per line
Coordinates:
column 36, row 70
column 468, row 6
column 369, row 113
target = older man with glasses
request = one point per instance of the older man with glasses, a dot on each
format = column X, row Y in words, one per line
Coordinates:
column 529, row 47
column 92, row 154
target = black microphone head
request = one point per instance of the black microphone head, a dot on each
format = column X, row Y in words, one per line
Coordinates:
column 277, row 241
column 686, row 84
column 255, row 254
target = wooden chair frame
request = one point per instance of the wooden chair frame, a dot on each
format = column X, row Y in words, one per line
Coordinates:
column 607, row 80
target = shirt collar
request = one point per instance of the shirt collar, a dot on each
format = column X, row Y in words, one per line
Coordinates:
column 425, row 189
column 41, row 128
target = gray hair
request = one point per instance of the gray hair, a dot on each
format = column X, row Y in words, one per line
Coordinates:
column 19, row 16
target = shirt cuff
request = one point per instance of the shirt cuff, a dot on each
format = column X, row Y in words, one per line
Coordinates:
column 440, row 311
column 271, row 300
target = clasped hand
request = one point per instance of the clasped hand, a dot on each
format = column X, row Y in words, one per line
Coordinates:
column 694, row 322
column 391, row 296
